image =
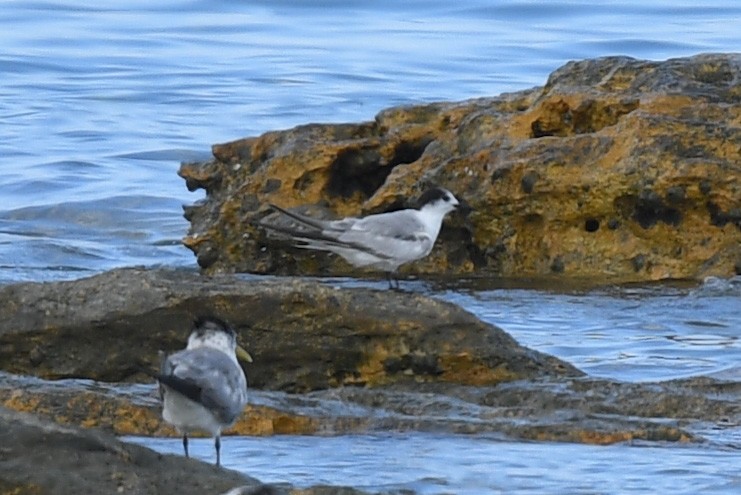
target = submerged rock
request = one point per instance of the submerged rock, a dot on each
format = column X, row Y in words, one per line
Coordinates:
column 616, row 168
column 580, row 410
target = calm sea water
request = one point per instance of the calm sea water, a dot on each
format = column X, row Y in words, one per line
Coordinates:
column 99, row 102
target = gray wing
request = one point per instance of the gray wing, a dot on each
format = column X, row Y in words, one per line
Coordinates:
column 402, row 224
column 208, row 377
column 389, row 234
column 398, row 235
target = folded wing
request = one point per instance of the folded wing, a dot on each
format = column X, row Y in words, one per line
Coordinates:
column 387, row 236
column 208, row 377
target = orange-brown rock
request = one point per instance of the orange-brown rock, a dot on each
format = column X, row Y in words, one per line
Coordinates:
column 127, row 409
column 584, row 410
column 617, row 168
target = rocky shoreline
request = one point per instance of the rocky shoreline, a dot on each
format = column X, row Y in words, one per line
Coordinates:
column 328, row 360
column 617, row 169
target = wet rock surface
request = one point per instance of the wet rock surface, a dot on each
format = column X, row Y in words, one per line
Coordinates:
column 579, row 410
column 306, row 335
column 327, row 361
column 616, row 168
column 40, row 457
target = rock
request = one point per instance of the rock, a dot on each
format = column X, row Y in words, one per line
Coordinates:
column 43, row 457
column 304, row 335
column 580, row 410
column 616, row 169
column 327, row 361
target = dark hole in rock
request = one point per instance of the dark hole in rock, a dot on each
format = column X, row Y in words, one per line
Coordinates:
column 650, row 209
column 533, row 219
column 422, row 364
column 361, row 170
column 705, row 187
column 591, row 225
column 499, row 173
column 675, row 194
column 592, row 115
column 539, row 129
column 720, row 218
column 465, row 249
column 356, row 170
column 271, row 185
column 207, row 255
column 557, row 265
column 559, row 119
column 555, row 120
column 528, row 181
column 409, row 151
column 613, row 224
column 638, row 262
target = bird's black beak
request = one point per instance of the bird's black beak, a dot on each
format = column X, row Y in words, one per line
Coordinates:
column 464, row 208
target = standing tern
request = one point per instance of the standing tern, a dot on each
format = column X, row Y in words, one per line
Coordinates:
column 203, row 388
column 383, row 241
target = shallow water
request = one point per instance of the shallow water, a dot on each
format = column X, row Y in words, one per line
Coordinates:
column 100, row 102
column 652, row 333
column 433, row 464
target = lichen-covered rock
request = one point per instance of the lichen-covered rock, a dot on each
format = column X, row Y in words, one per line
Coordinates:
column 617, row 168
column 303, row 335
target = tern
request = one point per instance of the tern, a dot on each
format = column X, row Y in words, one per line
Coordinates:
column 383, row 241
column 203, row 387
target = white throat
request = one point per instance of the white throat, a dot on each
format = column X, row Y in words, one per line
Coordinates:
column 432, row 215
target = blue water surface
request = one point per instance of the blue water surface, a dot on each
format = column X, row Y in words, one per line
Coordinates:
column 101, row 101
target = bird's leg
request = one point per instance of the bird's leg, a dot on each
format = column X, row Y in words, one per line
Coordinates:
column 185, row 444
column 217, row 443
column 392, row 277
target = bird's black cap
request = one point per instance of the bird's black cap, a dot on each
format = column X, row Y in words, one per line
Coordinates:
column 205, row 323
column 434, row 194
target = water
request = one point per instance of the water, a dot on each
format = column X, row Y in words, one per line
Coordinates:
column 636, row 334
column 434, row 465
column 100, row 102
